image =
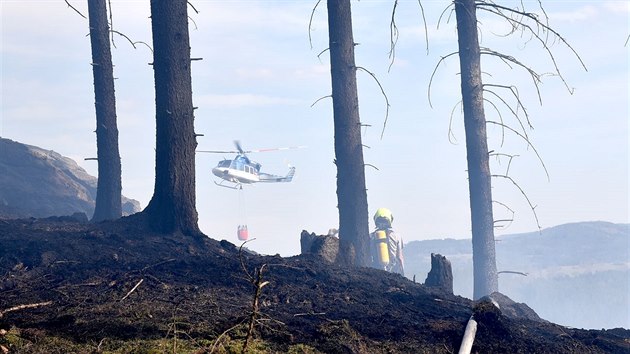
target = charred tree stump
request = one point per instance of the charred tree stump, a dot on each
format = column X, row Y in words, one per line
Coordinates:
column 441, row 273
column 325, row 246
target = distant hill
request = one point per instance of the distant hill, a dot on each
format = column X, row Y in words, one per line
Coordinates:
column 35, row 182
column 578, row 274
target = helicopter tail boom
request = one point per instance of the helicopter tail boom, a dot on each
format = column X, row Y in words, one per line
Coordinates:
column 265, row 177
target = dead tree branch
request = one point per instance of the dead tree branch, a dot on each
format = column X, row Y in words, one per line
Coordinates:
column 111, row 22
column 384, row 95
column 319, row 99
column 132, row 289
column 393, row 36
column 393, row 33
column 450, row 124
column 512, row 272
column 450, row 6
column 216, row 341
column 499, row 155
column 517, row 18
column 509, row 221
column 531, row 206
column 526, row 140
column 258, row 285
column 193, row 7
column 22, row 307
column 75, row 10
column 310, row 23
column 433, row 74
column 510, row 59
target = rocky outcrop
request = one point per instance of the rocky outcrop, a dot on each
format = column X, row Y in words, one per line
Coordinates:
column 39, row 183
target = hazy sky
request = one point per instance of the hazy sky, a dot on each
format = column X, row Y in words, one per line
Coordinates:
column 259, row 78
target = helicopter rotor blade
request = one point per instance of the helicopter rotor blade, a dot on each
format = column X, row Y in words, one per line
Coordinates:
column 239, row 147
column 240, row 150
column 219, row 151
column 280, row 148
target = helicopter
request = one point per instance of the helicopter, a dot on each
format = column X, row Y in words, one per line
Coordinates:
column 242, row 170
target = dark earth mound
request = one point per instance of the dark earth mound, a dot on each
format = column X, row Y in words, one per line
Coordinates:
column 67, row 286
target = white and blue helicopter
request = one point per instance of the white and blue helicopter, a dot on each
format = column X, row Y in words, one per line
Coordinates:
column 241, row 170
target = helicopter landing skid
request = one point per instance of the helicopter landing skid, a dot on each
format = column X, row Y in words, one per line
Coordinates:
column 235, row 186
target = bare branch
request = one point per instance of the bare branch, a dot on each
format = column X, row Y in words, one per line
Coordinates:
column 321, row 98
column 216, row 341
column 450, row 6
column 531, row 206
column 193, row 21
column 526, row 140
column 77, row 11
column 546, row 29
column 450, row 124
column 258, row 285
column 499, row 155
column 22, row 307
column 320, row 54
column 500, row 118
column 240, row 258
column 512, row 272
column 426, row 30
column 193, row 7
column 507, row 58
column 384, row 95
column 111, row 22
column 393, row 33
column 433, row 74
column 132, row 289
column 124, row 36
column 510, row 220
column 519, row 104
column 310, row 23
column 393, row 36
column 148, row 46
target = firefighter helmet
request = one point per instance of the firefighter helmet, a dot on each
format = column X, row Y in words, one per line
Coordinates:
column 383, row 214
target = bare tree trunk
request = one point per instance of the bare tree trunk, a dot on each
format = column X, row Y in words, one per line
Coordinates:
column 479, row 184
column 172, row 207
column 108, row 199
column 351, row 191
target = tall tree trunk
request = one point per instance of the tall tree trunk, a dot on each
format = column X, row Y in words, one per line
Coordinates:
column 172, row 207
column 108, row 200
column 479, row 184
column 351, row 192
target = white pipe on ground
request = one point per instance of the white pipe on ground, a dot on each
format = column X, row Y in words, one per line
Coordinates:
column 469, row 336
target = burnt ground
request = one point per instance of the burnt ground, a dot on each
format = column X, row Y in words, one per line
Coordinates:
column 71, row 287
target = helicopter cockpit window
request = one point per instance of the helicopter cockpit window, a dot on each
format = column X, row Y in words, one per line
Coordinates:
column 225, row 163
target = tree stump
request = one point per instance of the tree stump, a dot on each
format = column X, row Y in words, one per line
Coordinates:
column 441, row 274
column 325, row 246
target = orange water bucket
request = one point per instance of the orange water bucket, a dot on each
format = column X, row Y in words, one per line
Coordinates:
column 242, row 233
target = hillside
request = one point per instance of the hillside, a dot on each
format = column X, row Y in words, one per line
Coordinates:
column 68, row 287
column 577, row 274
column 40, row 183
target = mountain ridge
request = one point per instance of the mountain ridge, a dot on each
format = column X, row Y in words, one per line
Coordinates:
column 39, row 183
column 576, row 274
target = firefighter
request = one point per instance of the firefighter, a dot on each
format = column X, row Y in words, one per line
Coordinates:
column 386, row 248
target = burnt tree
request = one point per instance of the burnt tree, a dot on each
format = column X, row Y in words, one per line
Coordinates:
column 479, row 176
column 108, row 192
column 172, row 207
column 351, row 191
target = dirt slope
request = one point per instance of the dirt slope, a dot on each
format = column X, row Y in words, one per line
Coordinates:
column 98, row 287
